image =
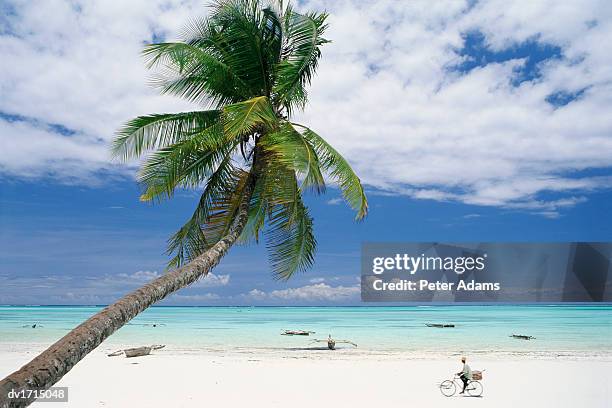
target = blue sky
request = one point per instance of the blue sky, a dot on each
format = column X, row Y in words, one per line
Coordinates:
column 466, row 121
column 86, row 245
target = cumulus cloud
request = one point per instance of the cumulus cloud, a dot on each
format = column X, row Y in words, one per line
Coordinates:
column 212, row 280
column 205, row 297
column 73, row 75
column 387, row 97
column 141, row 277
column 335, row 201
column 318, row 292
column 389, row 94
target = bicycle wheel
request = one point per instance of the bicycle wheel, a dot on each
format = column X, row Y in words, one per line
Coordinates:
column 448, row 388
column 474, row 389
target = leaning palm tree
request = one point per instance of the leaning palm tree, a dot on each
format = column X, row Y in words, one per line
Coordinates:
column 248, row 64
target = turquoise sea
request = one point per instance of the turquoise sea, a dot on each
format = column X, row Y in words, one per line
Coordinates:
column 557, row 328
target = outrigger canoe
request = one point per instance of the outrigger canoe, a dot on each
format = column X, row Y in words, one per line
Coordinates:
column 297, row 333
column 439, row 325
column 522, row 337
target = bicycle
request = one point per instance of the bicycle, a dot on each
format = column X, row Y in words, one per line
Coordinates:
column 448, row 388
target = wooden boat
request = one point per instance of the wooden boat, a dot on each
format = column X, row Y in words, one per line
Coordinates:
column 331, row 343
column 439, row 325
column 297, row 333
column 522, row 337
column 137, row 351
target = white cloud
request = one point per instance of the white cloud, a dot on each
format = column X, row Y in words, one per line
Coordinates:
column 384, row 95
column 318, row 292
column 212, row 280
column 194, row 298
column 141, row 277
column 411, row 126
column 77, row 64
column 95, row 289
column 256, row 294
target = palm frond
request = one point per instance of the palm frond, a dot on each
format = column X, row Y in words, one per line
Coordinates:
column 195, row 73
column 273, row 33
column 258, row 208
column 270, row 189
column 300, row 56
column 225, row 208
column 185, row 164
column 340, row 171
column 246, row 117
column 160, row 130
column 290, row 237
column 190, row 241
column 238, row 34
column 291, row 149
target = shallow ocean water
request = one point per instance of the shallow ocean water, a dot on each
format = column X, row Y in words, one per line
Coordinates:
column 574, row 329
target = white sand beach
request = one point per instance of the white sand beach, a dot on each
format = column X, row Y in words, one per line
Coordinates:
column 179, row 378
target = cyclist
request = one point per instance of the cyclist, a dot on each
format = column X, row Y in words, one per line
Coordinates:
column 465, row 374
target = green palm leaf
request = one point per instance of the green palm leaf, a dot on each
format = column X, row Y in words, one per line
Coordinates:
column 247, row 117
column 300, row 55
column 225, row 207
column 258, row 208
column 196, row 74
column 291, row 149
column 190, row 241
column 186, row 164
column 340, row 171
column 238, row 33
column 160, row 130
column 290, row 237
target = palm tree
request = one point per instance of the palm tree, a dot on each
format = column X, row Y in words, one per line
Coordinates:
column 248, row 64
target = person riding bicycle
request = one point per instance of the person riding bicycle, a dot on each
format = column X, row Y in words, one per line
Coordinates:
column 465, row 374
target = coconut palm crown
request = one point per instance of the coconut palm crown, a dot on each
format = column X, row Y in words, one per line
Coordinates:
column 248, row 63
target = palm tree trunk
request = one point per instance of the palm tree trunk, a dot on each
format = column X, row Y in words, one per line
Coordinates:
column 52, row 364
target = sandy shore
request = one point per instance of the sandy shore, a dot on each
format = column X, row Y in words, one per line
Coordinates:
column 172, row 378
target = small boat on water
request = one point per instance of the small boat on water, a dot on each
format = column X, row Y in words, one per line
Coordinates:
column 440, row 325
column 297, row 333
column 522, row 337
